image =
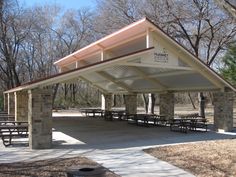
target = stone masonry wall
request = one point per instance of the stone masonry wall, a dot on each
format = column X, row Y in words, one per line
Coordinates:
column 167, row 105
column 21, row 106
column 40, row 118
column 131, row 104
column 223, row 111
column 108, row 102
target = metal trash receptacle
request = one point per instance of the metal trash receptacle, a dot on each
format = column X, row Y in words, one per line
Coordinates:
column 85, row 171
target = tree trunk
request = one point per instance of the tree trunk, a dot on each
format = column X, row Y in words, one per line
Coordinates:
column 151, row 103
column 201, row 104
column 65, row 91
column 211, row 98
column 74, row 92
column 55, row 89
column 192, row 102
column 145, row 101
column 114, row 100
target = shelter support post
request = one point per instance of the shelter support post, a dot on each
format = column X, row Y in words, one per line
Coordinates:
column 167, row 105
column 11, row 103
column 40, row 118
column 21, row 106
column 223, row 111
column 106, row 102
column 103, row 101
column 131, row 103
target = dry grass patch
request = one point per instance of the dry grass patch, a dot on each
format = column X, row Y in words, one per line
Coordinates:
column 205, row 159
column 46, row 168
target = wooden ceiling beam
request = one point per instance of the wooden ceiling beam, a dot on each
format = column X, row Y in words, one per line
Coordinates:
column 144, row 75
column 114, row 80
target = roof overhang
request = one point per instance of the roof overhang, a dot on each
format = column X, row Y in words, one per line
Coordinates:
column 137, row 73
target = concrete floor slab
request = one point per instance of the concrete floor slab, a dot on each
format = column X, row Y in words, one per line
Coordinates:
column 116, row 145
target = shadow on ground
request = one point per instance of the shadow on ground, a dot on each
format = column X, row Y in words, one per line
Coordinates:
column 96, row 133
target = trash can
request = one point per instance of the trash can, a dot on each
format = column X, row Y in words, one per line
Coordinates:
column 86, row 171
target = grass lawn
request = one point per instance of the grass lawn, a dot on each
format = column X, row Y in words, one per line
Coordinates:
column 204, row 159
column 46, row 168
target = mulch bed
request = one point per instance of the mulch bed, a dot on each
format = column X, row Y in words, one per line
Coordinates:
column 205, row 159
column 47, row 168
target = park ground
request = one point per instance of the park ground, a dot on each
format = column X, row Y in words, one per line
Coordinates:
column 201, row 154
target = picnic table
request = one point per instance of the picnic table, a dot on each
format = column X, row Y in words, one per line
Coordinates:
column 161, row 120
column 11, row 129
column 184, row 124
column 92, row 112
column 9, row 122
column 142, row 119
column 118, row 114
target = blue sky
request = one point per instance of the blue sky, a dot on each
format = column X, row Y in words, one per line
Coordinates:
column 67, row 4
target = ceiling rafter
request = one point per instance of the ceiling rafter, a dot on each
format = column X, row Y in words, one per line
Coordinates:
column 145, row 76
column 114, row 80
column 162, row 74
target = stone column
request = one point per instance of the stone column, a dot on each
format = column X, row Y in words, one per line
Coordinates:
column 21, row 106
column 167, row 105
column 40, row 118
column 11, row 103
column 106, row 102
column 131, row 104
column 223, row 111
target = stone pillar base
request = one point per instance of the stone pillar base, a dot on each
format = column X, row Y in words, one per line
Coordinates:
column 223, row 111
column 131, row 103
column 40, row 118
column 107, row 102
column 167, row 105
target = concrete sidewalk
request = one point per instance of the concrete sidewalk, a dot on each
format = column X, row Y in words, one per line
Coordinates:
column 135, row 163
column 131, row 162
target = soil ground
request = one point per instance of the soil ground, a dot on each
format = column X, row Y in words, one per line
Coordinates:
column 205, row 159
column 47, row 168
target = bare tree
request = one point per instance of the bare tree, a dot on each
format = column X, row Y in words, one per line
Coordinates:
column 13, row 30
column 200, row 25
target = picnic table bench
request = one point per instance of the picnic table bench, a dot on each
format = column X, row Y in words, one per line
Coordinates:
column 12, row 129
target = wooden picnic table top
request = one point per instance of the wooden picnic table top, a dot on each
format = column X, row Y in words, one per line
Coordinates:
column 85, row 109
column 91, row 110
column 118, row 111
column 189, row 119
